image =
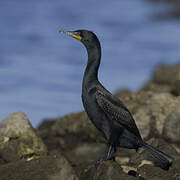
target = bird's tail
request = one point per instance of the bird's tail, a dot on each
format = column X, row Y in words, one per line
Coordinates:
column 160, row 158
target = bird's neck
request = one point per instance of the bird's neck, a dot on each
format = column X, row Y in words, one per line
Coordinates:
column 91, row 71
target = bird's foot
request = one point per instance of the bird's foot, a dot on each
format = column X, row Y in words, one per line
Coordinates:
column 99, row 161
column 110, row 156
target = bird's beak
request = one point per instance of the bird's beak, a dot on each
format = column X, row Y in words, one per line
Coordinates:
column 73, row 34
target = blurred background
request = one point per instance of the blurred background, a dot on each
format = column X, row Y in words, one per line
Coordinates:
column 41, row 70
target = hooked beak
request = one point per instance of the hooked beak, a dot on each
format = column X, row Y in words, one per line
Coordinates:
column 73, row 34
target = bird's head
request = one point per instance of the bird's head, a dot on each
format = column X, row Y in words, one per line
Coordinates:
column 88, row 38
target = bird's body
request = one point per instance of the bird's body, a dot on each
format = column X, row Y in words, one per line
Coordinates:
column 94, row 101
column 108, row 113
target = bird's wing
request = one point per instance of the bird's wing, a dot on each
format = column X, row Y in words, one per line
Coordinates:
column 116, row 110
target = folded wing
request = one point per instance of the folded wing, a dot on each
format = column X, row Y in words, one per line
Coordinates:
column 115, row 110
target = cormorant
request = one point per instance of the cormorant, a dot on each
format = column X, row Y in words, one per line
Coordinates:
column 108, row 113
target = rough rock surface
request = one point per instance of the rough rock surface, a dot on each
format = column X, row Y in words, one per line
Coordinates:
column 52, row 167
column 151, row 110
column 108, row 170
column 168, row 76
column 172, row 126
column 77, row 124
column 18, row 139
column 76, row 136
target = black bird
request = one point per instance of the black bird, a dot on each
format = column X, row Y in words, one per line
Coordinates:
column 108, row 113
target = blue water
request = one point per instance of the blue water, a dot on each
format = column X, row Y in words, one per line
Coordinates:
column 41, row 70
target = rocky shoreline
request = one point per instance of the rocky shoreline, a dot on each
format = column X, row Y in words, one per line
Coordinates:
column 66, row 148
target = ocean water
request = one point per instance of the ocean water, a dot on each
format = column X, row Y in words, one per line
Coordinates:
column 41, row 70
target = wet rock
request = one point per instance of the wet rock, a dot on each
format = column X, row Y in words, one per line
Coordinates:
column 53, row 167
column 18, row 139
column 171, row 130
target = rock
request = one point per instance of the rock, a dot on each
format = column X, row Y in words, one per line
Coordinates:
column 122, row 160
column 69, row 132
column 143, row 121
column 155, row 173
column 176, row 147
column 137, row 105
column 89, row 173
column 175, row 169
column 110, row 170
column 160, row 106
column 138, row 159
column 123, row 155
column 171, row 131
column 78, row 126
column 150, row 111
column 53, row 167
column 107, row 170
column 157, row 88
column 128, row 169
column 168, row 77
column 136, row 102
column 167, row 74
column 123, row 94
column 175, row 90
column 76, row 136
column 86, row 153
column 18, row 139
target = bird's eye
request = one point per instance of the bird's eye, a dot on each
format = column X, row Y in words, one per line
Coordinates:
column 78, row 33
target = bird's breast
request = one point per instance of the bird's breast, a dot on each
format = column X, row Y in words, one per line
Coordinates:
column 95, row 114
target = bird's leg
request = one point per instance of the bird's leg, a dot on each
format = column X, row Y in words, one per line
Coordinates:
column 111, row 153
column 110, row 156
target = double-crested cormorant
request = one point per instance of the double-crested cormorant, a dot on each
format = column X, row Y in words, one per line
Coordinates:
column 108, row 113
